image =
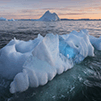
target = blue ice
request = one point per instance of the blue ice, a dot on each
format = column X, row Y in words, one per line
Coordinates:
column 65, row 49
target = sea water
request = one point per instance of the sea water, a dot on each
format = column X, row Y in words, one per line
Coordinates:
column 82, row 82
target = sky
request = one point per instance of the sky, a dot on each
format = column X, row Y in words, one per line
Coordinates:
column 34, row 9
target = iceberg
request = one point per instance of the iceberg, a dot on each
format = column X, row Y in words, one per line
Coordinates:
column 3, row 19
column 11, row 19
column 35, row 62
column 48, row 16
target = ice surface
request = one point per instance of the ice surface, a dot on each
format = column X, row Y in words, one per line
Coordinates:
column 21, row 82
column 48, row 16
column 14, row 54
column 65, row 49
column 35, row 62
column 44, row 64
column 96, row 42
column 80, row 44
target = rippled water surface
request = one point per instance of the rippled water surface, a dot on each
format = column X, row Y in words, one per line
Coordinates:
column 26, row 30
column 81, row 83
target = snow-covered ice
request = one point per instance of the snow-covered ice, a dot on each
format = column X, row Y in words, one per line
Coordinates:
column 35, row 62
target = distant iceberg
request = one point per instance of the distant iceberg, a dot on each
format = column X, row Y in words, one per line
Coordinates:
column 11, row 19
column 3, row 19
column 35, row 62
column 48, row 16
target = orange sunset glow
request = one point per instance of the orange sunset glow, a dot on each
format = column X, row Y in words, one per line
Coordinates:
column 74, row 9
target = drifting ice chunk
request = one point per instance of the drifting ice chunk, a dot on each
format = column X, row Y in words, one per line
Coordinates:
column 45, row 63
column 50, row 58
column 42, row 58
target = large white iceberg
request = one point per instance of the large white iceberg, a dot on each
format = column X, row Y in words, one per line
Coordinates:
column 48, row 16
column 35, row 62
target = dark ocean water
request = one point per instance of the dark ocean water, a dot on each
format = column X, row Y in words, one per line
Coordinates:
column 81, row 83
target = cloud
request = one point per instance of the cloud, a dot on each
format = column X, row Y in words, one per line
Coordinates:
column 5, row 0
column 28, row 11
column 2, row 2
column 32, row 11
column 96, row 8
column 72, row 13
column 89, row 9
column 57, row 8
column 64, row 1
